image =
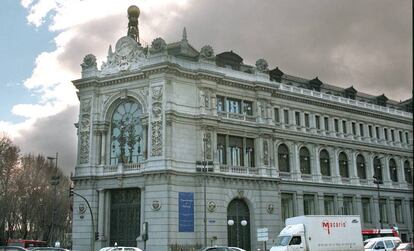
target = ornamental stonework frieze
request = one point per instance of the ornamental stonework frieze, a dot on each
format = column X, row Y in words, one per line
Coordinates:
column 156, row 120
column 84, row 131
column 205, row 98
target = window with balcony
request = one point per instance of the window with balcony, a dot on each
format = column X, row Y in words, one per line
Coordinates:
column 344, row 129
column 221, row 149
column 343, row 165
column 277, row 119
column 329, row 205
column 366, row 210
column 233, row 105
column 309, row 204
column 250, row 152
column 304, row 157
column 247, row 107
column 324, row 162
column 126, row 133
column 393, row 170
column 318, row 122
column 383, row 210
column 283, row 158
column 348, row 206
column 287, row 206
column 220, row 104
column 398, row 211
column 235, row 151
column 361, row 167
column 297, row 118
column 286, row 116
column 377, row 168
column 408, row 172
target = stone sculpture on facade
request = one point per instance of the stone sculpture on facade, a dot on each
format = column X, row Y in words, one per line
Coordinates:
column 262, row 65
column 84, row 131
column 156, row 123
column 158, row 45
column 207, row 52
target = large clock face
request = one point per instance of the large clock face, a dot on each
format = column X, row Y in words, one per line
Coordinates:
column 125, row 46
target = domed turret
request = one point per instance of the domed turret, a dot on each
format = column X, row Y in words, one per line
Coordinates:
column 133, row 11
column 133, row 14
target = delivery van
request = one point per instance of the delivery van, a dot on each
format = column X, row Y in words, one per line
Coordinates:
column 320, row 233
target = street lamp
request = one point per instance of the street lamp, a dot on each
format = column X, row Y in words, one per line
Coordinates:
column 378, row 181
column 54, row 182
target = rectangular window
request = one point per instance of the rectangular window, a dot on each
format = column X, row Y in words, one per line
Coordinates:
column 353, row 128
column 329, row 205
column 383, row 210
column 400, row 136
column 233, row 105
column 318, row 122
column 370, row 131
column 348, row 208
column 287, row 206
column 286, row 116
column 277, row 119
column 392, row 135
column 250, row 152
column 398, row 211
column 326, row 123
column 344, row 129
column 220, row 104
column 361, row 130
column 221, row 148
column 236, row 151
column 248, row 108
column 307, row 125
column 297, row 118
column 377, row 134
column 309, row 204
column 336, row 123
column 407, row 138
column 366, row 210
column 386, row 134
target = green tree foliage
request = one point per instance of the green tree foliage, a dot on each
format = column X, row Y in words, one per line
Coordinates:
column 30, row 206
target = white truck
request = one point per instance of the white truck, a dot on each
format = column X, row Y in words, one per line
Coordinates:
column 321, row 233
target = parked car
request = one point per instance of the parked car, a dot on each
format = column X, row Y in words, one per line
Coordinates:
column 49, row 249
column 409, row 246
column 120, row 249
column 216, row 248
column 237, row 249
column 12, row 248
column 381, row 243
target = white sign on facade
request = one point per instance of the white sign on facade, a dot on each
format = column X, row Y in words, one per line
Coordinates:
column 262, row 234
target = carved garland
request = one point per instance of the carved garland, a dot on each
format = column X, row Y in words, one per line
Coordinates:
column 156, row 123
column 84, row 131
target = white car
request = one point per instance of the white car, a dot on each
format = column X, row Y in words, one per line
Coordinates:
column 120, row 249
column 237, row 249
column 381, row 243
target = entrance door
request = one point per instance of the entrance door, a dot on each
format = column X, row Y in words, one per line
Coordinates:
column 125, row 217
column 237, row 234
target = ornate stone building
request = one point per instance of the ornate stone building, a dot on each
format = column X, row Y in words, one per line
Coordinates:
column 157, row 121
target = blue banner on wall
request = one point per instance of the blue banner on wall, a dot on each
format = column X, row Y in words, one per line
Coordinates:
column 185, row 212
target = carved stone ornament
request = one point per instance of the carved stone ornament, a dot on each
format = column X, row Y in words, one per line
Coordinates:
column 156, row 149
column 84, row 131
column 81, row 208
column 270, row 208
column 265, row 153
column 240, row 193
column 158, row 45
column 156, row 102
column 208, row 145
column 156, row 205
column 207, row 52
column 205, row 98
column 262, row 65
column 128, row 56
column 89, row 61
column 211, row 206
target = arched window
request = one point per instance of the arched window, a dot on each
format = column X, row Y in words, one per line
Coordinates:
column 343, row 165
column 393, row 170
column 361, row 167
column 304, row 157
column 408, row 172
column 377, row 168
column 126, row 133
column 283, row 158
column 324, row 161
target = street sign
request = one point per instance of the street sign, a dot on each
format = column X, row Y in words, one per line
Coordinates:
column 262, row 234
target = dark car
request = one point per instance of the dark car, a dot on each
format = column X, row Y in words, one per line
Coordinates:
column 12, row 248
column 216, row 248
column 49, row 249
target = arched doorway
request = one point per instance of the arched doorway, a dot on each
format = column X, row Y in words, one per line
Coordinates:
column 237, row 234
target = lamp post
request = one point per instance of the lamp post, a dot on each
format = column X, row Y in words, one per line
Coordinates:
column 377, row 181
column 54, row 182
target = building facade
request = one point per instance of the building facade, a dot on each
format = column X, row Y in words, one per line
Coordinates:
column 162, row 126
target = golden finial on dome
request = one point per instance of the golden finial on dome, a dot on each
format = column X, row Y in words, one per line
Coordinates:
column 133, row 14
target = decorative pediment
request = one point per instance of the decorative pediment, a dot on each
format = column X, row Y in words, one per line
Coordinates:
column 350, row 92
column 229, row 58
column 382, row 100
column 128, row 56
column 315, row 84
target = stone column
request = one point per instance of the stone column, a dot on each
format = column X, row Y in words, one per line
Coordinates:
column 101, row 215
column 335, row 167
column 312, row 123
column 340, row 128
column 391, row 218
column 407, row 214
column 299, row 202
column 386, row 172
column 103, row 148
column 358, row 131
column 331, row 131
column 400, row 172
column 353, row 168
column 316, row 168
column 376, row 213
column 294, row 159
column 340, row 204
column 302, row 121
column 214, row 104
column 369, row 166
column 321, row 204
column 358, row 206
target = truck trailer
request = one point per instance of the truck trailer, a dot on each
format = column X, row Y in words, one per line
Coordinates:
column 321, row 233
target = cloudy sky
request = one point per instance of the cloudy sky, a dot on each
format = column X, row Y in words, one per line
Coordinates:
column 364, row 43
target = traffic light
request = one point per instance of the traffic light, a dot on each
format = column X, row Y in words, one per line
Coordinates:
column 70, row 191
column 96, row 236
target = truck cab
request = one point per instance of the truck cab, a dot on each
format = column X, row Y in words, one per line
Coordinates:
column 291, row 238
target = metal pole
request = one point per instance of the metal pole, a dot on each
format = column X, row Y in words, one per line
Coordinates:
column 379, row 204
column 90, row 211
column 54, row 183
column 204, row 181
